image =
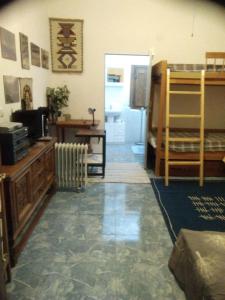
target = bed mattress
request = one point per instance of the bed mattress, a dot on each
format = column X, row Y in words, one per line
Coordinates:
column 194, row 67
column 214, row 141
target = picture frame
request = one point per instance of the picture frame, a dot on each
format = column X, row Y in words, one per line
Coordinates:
column 24, row 51
column 26, row 93
column 8, row 44
column 66, row 38
column 11, row 89
column 44, row 59
column 35, row 55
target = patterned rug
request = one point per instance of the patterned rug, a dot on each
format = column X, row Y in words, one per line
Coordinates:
column 186, row 205
column 123, row 173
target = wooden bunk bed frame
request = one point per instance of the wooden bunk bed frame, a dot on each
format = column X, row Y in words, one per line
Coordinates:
column 213, row 161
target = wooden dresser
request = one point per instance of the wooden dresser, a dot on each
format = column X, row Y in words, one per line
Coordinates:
column 28, row 186
column 4, row 251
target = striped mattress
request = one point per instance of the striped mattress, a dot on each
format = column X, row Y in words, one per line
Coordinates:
column 194, row 67
column 214, row 141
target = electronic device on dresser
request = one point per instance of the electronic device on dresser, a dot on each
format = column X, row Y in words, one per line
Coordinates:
column 35, row 120
column 14, row 142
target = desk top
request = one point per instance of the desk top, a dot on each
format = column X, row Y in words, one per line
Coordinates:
column 90, row 133
column 77, row 123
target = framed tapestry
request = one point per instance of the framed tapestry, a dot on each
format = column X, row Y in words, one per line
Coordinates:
column 8, row 44
column 11, row 88
column 26, row 93
column 44, row 59
column 24, row 51
column 35, row 55
column 66, row 45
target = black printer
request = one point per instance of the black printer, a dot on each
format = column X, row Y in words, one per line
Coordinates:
column 14, row 142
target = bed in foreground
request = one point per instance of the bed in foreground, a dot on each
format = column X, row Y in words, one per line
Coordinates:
column 197, row 262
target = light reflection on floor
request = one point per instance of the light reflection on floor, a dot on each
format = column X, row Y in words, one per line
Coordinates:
column 123, row 224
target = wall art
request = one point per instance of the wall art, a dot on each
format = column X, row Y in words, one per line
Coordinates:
column 44, row 59
column 11, row 88
column 26, row 93
column 8, row 44
column 35, row 55
column 24, row 51
column 66, row 45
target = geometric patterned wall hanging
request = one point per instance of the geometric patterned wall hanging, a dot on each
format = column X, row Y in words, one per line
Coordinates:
column 66, row 45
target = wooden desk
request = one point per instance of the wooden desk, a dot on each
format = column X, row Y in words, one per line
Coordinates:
column 100, row 134
column 81, row 124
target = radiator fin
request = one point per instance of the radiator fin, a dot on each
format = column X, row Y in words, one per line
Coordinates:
column 71, row 165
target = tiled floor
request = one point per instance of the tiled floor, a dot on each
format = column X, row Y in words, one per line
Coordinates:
column 108, row 243
column 122, row 153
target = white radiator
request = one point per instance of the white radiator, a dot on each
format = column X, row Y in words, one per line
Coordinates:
column 71, row 165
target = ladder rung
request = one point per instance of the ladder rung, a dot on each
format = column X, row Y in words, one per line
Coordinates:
column 184, row 116
column 182, row 139
column 185, row 92
column 188, row 163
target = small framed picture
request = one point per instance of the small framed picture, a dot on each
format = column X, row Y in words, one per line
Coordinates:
column 35, row 55
column 44, row 59
column 26, row 93
column 11, row 89
column 24, row 51
column 8, row 44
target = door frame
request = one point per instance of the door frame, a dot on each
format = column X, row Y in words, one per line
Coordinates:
column 148, row 90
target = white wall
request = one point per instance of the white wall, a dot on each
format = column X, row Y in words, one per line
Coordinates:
column 30, row 18
column 178, row 30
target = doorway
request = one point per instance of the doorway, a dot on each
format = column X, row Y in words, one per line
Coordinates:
column 126, row 93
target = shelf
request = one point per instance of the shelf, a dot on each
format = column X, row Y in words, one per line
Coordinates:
column 94, row 158
column 114, row 84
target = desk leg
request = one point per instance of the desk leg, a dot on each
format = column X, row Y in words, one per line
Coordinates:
column 104, row 155
column 58, row 133
column 63, row 134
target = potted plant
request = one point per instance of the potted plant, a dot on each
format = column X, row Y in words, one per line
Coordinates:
column 57, row 99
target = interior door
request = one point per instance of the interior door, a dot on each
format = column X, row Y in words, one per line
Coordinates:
column 138, row 86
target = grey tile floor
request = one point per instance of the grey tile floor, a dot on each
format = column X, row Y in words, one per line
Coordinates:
column 122, row 153
column 107, row 243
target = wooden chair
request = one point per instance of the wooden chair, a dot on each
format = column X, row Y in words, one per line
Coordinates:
column 215, row 61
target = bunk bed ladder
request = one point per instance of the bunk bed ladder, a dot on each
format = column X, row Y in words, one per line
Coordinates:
column 168, row 138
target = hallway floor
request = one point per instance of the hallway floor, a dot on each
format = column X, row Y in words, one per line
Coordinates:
column 122, row 153
column 108, row 243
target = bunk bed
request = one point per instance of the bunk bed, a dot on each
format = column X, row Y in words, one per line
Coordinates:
column 214, row 146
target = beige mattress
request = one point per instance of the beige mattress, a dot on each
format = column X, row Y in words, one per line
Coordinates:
column 214, row 141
